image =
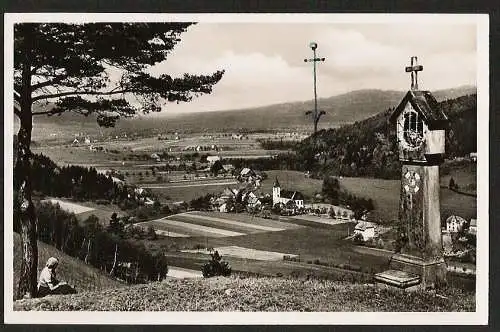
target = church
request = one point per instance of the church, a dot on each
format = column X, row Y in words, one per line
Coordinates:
column 285, row 196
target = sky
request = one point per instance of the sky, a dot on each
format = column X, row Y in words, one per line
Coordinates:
column 264, row 62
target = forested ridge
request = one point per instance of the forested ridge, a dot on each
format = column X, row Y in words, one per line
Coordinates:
column 368, row 148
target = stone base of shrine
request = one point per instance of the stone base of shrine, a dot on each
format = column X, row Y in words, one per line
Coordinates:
column 430, row 273
column 398, row 279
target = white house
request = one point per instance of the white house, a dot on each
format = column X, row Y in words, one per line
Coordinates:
column 473, row 156
column 285, row 196
column 223, row 208
column 212, row 159
column 473, row 226
column 366, row 229
column 454, row 224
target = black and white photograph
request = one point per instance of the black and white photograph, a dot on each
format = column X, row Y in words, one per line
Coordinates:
column 246, row 168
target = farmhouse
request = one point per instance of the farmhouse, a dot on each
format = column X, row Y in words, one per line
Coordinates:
column 228, row 167
column 366, row 229
column 155, row 156
column 250, row 176
column 454, row 224
column 252, row 200
column 283, row 197
column 116, row 180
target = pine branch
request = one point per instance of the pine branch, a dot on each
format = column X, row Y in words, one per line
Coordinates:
column 76, row 93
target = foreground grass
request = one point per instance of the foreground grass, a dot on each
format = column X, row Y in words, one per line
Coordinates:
column 238, row 293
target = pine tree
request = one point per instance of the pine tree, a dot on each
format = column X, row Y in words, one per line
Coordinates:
column 69, row 65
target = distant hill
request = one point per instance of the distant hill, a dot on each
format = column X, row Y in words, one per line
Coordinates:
column 341, row 109
column 72, row 270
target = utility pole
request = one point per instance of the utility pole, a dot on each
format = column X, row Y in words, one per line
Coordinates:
column 315, row 115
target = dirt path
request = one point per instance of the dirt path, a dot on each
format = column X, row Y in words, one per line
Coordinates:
column 182, row 273
column 191, row 185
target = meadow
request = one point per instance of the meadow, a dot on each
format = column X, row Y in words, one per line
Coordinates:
column 244, row 293
column 385, row 196
column 292, row 180
column 83, row 210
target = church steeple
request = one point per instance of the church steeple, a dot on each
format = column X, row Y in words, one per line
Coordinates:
column 276, row 192
column 276, row 184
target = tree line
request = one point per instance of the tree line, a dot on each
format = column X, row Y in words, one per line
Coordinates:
column 333, row 194
column 79, row 183
column 274, row 144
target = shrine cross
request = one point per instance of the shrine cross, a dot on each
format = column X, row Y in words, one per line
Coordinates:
column 414, row 68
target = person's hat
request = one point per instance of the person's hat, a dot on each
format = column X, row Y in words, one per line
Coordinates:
column 52, row 262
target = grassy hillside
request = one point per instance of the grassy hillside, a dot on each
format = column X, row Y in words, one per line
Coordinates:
column 255, row 294
column 72, row 270
column 385, row 196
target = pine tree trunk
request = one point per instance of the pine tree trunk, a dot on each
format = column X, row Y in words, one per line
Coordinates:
column 26, row 217
column 114, row 261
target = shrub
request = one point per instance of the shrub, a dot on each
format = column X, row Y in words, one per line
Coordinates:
column 358, row 239
column 216, row 267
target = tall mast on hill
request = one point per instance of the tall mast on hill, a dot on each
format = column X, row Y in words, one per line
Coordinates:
column 315, row 115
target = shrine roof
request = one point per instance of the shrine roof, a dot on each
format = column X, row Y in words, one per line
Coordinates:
column 424, row 103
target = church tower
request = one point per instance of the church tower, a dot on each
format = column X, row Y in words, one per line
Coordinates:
column 276, row 192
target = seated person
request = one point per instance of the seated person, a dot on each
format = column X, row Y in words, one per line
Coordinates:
column 48, row 283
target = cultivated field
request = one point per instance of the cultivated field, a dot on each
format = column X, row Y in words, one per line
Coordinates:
column 199, row 224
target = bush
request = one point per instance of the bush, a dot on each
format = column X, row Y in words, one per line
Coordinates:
column 216, row 267
column 358, row 239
